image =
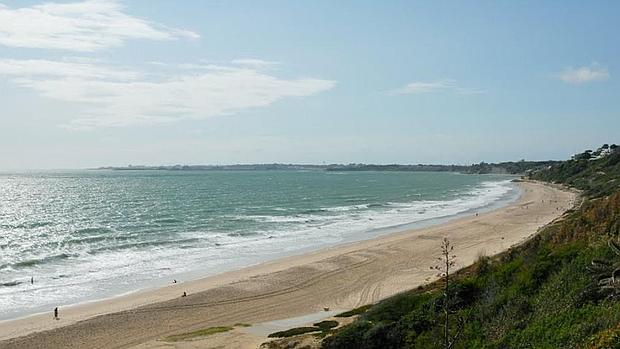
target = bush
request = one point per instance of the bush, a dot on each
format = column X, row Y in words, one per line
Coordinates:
column 326, row 325
column 356, row 311
column 293, row 332
column 199, row 333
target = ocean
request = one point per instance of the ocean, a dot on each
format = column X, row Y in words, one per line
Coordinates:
column 85, row 235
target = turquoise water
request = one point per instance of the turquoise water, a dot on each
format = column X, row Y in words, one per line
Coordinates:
column 91, row 234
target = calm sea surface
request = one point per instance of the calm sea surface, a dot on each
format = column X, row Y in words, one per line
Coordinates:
column 84, row 235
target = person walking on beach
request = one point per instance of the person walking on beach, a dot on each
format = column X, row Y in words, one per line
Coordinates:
column 56, row 313
column 32, row 280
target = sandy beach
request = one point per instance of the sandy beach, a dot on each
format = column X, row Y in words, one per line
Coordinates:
column 341, row 278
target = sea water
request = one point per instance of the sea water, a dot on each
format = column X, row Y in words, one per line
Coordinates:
column 84, row 235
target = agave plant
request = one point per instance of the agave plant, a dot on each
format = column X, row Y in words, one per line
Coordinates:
column 608, row 272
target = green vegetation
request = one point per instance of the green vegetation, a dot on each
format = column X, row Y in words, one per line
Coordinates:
column 447, row 261
column 607, row 272
column 294, row 332
column 356, row 311
column 199, row 333
column 606, row 339
column 511, row 167
column 541, row 294
column 326, row 325
column 597, row 177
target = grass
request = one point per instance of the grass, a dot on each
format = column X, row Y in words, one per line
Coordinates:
column 596, row 177
column 356, row 311
column 294, row 332
column 326, row 325
column 198, row 333
column 606, row 339
column 535, row 295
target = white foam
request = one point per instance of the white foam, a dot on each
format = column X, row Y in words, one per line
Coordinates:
column 117, row 271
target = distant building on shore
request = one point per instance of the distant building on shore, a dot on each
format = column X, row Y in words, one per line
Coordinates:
column 599, row 153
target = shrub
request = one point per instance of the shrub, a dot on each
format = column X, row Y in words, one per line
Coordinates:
column 326, row 325
column 293, row 332
column 356, row 311
column 199, row 333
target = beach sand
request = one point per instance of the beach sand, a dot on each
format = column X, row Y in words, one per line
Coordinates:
column 341, row 278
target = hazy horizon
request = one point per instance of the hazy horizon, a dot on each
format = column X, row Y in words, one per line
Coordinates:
column 138, row 164
column 257, row 164
column 86, row 84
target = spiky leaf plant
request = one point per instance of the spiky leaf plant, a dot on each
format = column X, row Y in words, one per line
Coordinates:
column 607, row 272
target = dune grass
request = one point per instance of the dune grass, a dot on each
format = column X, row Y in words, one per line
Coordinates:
column 326, row 324
column 294, row 332
column 356, row 311
column 324, row 327
column 198, row 333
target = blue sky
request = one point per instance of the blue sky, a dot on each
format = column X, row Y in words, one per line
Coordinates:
column 97, row 83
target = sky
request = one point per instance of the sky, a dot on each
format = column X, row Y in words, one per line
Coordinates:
column 147, row 82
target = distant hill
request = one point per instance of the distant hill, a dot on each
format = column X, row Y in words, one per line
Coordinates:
column 596, row 172
column 512, row 167
column 235, row 167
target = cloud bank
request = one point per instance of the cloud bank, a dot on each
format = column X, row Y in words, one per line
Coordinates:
column 110, row 95
column 114, row 97
column 435, row 86
column 81, row 26
column 584, row 74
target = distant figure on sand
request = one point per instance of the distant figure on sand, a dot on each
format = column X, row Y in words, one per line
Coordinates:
column 174, row 281
column 56, row 313
column 32, row 280
column 184, row 294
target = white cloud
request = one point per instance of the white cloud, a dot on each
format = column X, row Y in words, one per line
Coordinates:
column 80, row 26
column 40, row 68
column 113, row 97
column 434, row 86
column 583, row 74
column 252, row 62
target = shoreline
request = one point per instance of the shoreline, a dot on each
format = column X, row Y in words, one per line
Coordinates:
column 270, row 290
column 198, row 274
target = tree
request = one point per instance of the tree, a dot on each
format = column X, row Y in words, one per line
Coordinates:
column 446, row 263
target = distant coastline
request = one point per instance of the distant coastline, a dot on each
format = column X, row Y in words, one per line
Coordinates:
column 510, row 167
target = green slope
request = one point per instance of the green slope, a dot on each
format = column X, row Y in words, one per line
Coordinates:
column 537, row 295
